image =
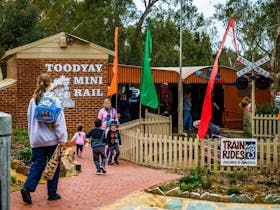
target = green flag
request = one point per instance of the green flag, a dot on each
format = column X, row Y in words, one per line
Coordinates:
column 148, row 94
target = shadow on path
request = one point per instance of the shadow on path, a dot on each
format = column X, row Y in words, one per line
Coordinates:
column 89, row 191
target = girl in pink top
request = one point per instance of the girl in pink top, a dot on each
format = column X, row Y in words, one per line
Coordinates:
column 80, row 138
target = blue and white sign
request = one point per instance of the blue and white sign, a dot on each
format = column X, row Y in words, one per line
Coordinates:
column 238, row 152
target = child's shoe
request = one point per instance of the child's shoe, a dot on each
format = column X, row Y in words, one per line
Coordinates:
column 117, row 162
column 110, row 163
column 103, row 169
column 98, row 172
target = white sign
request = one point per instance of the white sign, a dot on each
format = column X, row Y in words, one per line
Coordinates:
column 238, row 152
column 61, row 86
column 253, row 66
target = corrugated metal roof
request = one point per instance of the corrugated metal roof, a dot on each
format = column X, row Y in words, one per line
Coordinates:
column 132, row 74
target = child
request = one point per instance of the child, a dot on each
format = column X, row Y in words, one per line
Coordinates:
column 98, row 141
column 80, row 138
column 113, row 141
column 212, row 128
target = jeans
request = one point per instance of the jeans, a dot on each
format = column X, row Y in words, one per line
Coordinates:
column 97, row 152
column 117, row 150
column 187, row 119
column 40, row 155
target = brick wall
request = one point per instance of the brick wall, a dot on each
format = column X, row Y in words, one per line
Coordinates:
column 8, row 102
column 86, row 107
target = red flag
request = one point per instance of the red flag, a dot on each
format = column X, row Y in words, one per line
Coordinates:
column 113, row 89
column 207, row 104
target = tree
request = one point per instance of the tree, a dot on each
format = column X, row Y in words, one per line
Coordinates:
column 19, row 23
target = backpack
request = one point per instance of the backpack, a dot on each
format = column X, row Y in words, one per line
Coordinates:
column 46, row 110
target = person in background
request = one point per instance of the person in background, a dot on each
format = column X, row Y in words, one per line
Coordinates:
column 98, row 142
column 80, row 139
column 114, row 143
column 43, row 141
column 212, row 128
column 187, row 105
column 124, row 108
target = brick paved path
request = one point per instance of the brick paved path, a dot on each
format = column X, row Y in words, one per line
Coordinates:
column 89, row 191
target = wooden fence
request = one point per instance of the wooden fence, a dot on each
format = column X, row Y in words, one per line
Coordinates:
column 162, row 151
column 265, row 126
column 151, row 124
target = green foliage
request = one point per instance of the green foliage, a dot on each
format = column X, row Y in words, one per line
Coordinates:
column 237, row 175
column 266, row 109
column 13, row 179
column 218, row 189
column 24, row 154
column 21, row 136
column 197, row 177
column 233, row 190
column 232, row 180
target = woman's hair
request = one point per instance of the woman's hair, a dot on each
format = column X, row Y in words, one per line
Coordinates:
column 44, row 81
column 107, row 100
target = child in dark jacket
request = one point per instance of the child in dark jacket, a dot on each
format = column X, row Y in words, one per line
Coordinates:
column 98, row 142
column 114, row 141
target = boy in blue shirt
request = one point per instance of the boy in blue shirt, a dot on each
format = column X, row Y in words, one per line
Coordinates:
column 98, row 142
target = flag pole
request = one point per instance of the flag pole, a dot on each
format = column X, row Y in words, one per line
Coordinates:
column 180, row 86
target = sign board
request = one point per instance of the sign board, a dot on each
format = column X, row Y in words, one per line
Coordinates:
column 253, row 66
column 245, row 103
column 238, row 152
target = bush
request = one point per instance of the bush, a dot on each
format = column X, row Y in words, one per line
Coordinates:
column 266, row 109
column 233, row 190
column 24, row 154
column 21, row 136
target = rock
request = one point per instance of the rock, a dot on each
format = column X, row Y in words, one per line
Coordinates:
column 205, row 196
column 200, row 206
column 219, row 198
column 15, row 163
column 268, row 199
column 276, row 201
column 195, row 195
column 185, row 194
column 244, row 198
column 175, row 204
column 67, row 160
column 22, row 169
column 62, row 172
column 259, row 199
column 157, row 190
column 174, row 192
column 233, row 198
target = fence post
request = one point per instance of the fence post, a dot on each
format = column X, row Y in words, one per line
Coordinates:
column 5, row 148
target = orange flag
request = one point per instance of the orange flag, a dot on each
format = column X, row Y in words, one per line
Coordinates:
column 113, row 89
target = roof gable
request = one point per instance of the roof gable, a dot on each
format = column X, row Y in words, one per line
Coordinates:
column 51, row 44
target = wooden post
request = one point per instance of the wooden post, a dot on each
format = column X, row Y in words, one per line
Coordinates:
column 5, row 151
column 253, row 92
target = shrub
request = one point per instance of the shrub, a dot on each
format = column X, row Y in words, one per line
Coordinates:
column 24, row 154
column 232, row 180
column 266, row 109
column 242, row 176
column 21, row 136
column 233, row 190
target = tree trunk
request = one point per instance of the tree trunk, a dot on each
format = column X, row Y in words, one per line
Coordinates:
column 276, row 56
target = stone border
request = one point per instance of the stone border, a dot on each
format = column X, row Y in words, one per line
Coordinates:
column 233, row 198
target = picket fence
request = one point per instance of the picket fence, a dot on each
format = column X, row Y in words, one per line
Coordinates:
column 167, row 152
column 151, row 124
column 265, row 126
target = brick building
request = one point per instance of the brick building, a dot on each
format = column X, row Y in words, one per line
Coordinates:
column 79, row 72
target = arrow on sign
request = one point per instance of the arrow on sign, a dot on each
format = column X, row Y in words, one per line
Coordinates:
column 253, row 66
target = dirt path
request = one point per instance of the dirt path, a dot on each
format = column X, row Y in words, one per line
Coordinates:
column 90, row 191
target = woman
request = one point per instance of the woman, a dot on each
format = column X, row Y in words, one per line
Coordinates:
column 43, row 138
column 107, row 113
